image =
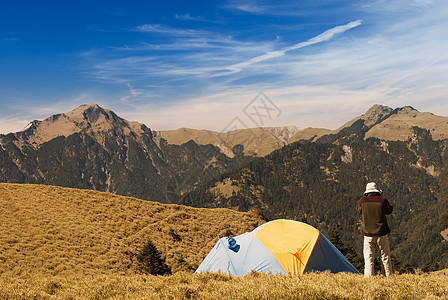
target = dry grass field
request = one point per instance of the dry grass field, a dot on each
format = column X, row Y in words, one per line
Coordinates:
column 183, row 285
column 60, row 243
column 48, row 230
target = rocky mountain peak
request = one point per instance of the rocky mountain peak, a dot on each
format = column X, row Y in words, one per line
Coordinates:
column 407, row 110
column 376, row 114
column 92, row 113
column 87, row 118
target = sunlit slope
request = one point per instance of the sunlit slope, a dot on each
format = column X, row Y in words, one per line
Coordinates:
column 256, row 141
column 398, row 127
column 51, row 230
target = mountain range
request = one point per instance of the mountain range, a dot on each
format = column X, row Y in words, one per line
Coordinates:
column 93, row 148
column 312, row 174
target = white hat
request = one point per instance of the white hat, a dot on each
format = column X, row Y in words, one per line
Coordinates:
column 371, row 188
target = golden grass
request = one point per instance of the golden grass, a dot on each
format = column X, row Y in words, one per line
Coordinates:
column 182, row 135
column 310, row 133
column 183, row 285
column 258, row 141
column 48, row 230
column 399, row 127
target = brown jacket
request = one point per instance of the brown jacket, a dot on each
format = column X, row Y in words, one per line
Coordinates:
column 374, row 207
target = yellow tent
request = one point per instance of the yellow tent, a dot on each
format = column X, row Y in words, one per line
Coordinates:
column 280, row 246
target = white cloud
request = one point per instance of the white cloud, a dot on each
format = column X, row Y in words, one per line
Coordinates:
column 251, row 8
column 279, row 8
column 12, row 124
column 303, row 106
column 198, row 57
column 138, row 94
column 325, row 36
column 424, row 3
column 188, row 17
column 158, row 28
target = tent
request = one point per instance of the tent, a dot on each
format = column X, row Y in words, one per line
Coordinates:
column 279, row 246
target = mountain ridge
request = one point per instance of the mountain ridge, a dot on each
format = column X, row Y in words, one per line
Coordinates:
column 383, row 122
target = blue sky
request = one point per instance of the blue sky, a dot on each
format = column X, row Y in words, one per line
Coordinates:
column 198, row 64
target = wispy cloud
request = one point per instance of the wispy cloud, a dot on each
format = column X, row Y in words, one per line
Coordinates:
column 261, row 8
column 193, row 56
column 251, row 7
column 325, row 36
column 293, row 8
column 158, row 28
column 12, row 124
column 188, row 17
column 205, row 54
column 136, row 95
column 425, row 3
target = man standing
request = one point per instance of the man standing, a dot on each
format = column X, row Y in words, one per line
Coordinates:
column 374, row 207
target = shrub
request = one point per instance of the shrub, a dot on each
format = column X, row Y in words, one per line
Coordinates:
column 151, row 262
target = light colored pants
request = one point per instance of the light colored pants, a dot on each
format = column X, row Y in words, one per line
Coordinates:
column 370, row 244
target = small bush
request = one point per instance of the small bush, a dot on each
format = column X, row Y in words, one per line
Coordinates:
column 151, row 262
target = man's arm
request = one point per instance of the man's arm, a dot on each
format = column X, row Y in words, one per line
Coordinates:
column 388, row 208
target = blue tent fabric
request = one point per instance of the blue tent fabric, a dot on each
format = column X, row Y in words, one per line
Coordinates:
column 326, row 256
column 252, row 255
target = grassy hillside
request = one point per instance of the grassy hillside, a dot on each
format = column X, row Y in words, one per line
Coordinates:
column 310, row 134
column 256, row 141
column 48, row 230
column 184, row 285
column 398, row 127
